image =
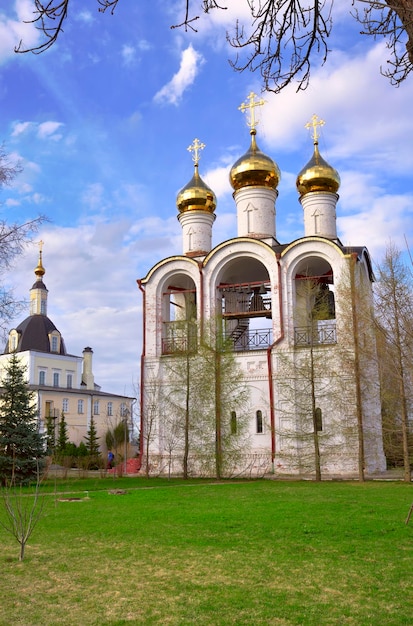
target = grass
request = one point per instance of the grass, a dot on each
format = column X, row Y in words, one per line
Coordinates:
column 175, row 553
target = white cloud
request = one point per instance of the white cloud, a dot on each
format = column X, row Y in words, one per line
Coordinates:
column 144, row 45
column 355, row 102
column 128, row 54
column 218, row 180
column 17, row 28
column 172, row 92
column 44, row 130
column 12, row 202
column 48, row 130
column 84, row 16
column 91, row 273
column 21, row 127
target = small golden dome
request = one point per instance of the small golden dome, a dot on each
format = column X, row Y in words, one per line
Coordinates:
column 254, row 169
column 196, row 196
column 318, row 175
column 39, row 269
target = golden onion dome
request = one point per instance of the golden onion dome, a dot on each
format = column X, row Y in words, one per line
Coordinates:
column 39, row 269
column 254, row 169
column 196, row 196
column 317, row 175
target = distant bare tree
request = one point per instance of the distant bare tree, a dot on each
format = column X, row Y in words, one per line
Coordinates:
column 394, row 313
column 23, row 511
column 13, row 240
column 284, row 38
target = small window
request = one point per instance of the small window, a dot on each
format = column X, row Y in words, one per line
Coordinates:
column 13, row 341
column 233, row 423
column 69, row 381
column 259, row 423
column 42, row 377
column 318, row 420
column 43, row 307
column 80, row 407
column 123, row 410
column 55, row 379
column 96, row 407
column 54, row 343
column 65, row 405
column 110, row 408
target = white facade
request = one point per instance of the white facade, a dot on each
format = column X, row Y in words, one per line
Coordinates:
column 312, row 381
column 62, row 382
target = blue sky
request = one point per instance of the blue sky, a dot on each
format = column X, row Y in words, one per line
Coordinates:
column 101, row 123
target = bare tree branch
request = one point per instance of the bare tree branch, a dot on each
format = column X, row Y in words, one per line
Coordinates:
column 287, row 37
column 49, row 18
column 394, row 21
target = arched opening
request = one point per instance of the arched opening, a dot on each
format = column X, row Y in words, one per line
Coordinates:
column 314, row 311
column 259, row 423
column 244, row 301
column 318, row 420
column 179, row 315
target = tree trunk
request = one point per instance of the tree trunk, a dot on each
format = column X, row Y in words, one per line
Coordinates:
column 404, row 10
column 357, row 373
column 186, row 428
column 218, row 415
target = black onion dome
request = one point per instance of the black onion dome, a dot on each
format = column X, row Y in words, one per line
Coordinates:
column 34, row 335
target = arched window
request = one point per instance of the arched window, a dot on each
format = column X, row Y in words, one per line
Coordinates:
column 233, row 423
column 259, row 423
column 42, row 377
column 179, row 333
column 314, row 309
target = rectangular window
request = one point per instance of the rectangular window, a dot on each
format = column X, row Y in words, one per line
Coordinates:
column 42, row 377
column 233, row 423
column 110, row 408
column 55, row 379
column 65, row 405
column 80, row 407
column 123, row 410
column 69, row 381
column 54, row 344
column 96, row 407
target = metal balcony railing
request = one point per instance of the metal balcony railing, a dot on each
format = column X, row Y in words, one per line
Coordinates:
column 180, row 337
column 254, row 339
column 323, row 332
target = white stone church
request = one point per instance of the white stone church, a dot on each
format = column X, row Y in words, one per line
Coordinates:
column 313, row 406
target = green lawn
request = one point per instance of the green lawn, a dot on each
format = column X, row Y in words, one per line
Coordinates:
column 265, row 552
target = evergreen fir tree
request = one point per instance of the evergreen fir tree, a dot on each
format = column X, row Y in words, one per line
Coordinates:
column 50, row 435
column 92, row 440
column 62, row 439
column 22, row 448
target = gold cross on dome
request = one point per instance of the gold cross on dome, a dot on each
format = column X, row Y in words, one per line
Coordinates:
column 195, row 147
column 251, row 104
column 313, row 123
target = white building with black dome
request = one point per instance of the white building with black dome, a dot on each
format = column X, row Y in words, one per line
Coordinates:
column 62, row 382
column 297, row 315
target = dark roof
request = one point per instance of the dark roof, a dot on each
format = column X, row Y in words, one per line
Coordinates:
column 34, row 335
column 39, row 284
